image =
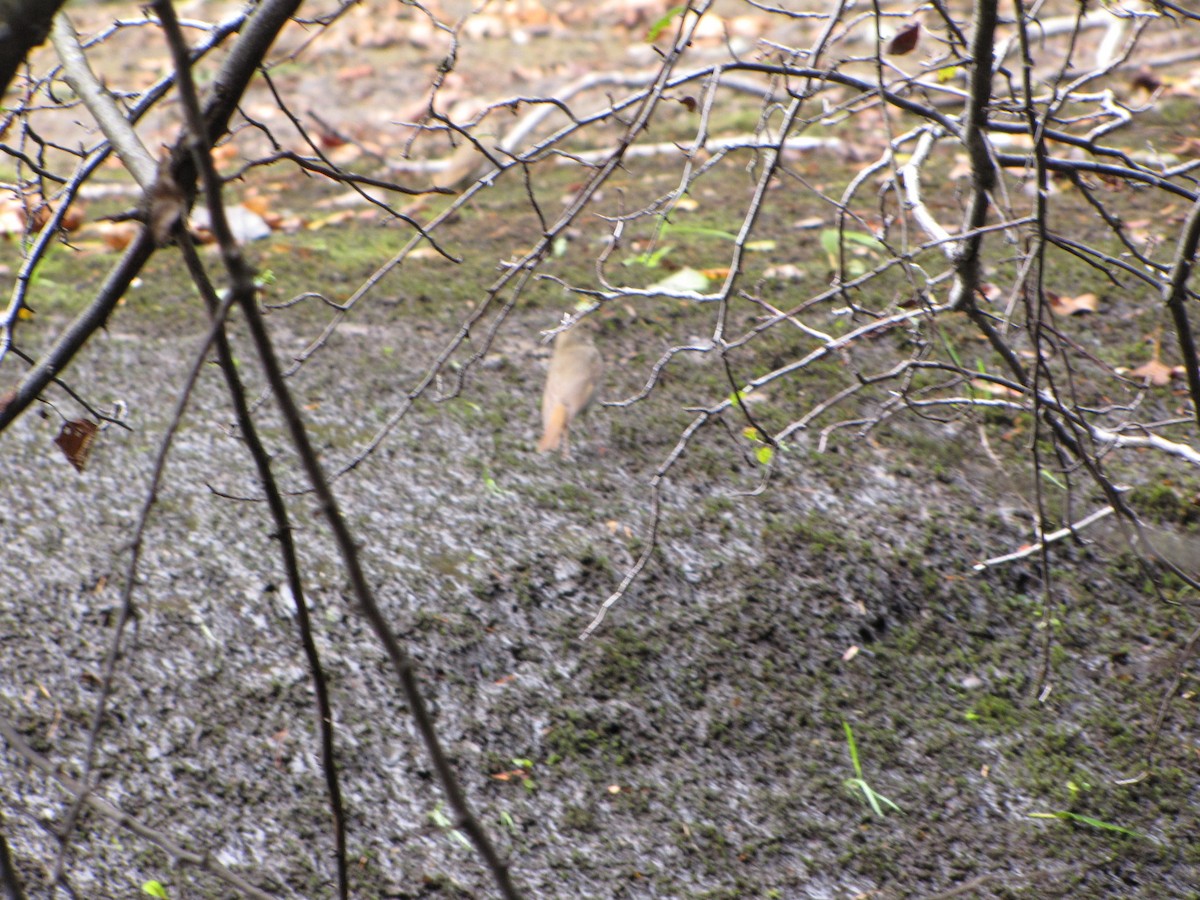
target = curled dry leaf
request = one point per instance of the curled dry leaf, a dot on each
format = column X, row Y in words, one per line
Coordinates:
column 75, row 441
column 1068, row 306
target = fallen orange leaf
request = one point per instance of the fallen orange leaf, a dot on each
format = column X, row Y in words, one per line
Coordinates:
column 1061, row 305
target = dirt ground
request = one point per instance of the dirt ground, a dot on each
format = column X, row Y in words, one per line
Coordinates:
column 696, row 745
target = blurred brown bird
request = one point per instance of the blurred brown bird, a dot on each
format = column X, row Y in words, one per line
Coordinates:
column 575, row 368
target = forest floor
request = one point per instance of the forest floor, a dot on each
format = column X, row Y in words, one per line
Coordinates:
column 698, row 744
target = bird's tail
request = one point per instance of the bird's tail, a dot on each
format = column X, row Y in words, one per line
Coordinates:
column 554, row 428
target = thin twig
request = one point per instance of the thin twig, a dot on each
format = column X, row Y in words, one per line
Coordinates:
column 241, row 291
column 1046, row 540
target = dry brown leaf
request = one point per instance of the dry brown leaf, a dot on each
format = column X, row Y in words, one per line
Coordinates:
column 334, row 219
column 42, row 214
column 996, row 390
column 990, row 292
column 510, row 775
column 1062, row 305
column 1146, row 79
column 117, row 235
column 905, row 40
column 74, row 217
column 1188, row 147
column 527, row 14
column 12, row 217
column 257, row 203
column 75, row 441
column 224, row 153
column 784, row 272
column 1155, row 371
column 355, row 72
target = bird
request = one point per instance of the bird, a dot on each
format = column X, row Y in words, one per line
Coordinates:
column 575, row 368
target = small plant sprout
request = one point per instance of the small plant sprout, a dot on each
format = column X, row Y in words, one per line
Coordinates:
column 439, row 818
column 526, row 766
column 154, row 889
column 1090, row 822
column 523, row 774
column 763, row 451
column 858, row 784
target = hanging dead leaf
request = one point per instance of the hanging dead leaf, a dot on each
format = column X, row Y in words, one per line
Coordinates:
column 1061, row 305
column 75, row 441
column 905, row 40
